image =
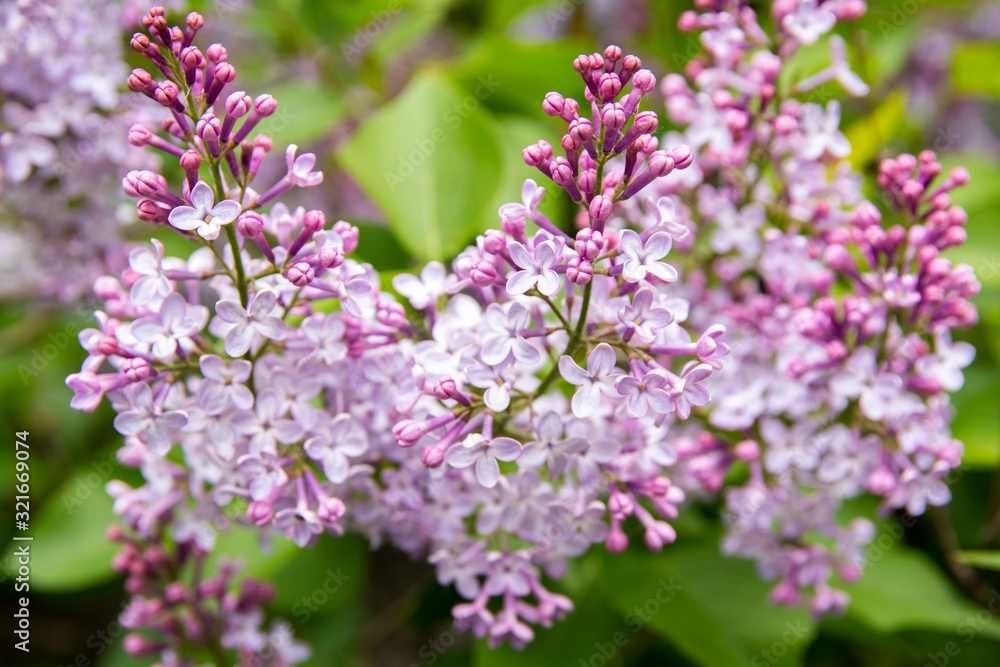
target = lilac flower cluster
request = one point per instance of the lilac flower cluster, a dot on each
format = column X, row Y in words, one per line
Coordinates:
column 840, row 314
column 62, row 146
column 281, row 375
column 551, row 390
column 176, row 605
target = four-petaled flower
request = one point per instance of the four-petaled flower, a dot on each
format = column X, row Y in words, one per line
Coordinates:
column 649, row 392
column 341, row 438
column 531, row 196
column 147, row 420
column 484, row 453
column 153, row 284
column 224, row 385
column 642, row 317
column 643, row 258
column 173, row 327
column 425, row 290
column 497, row 382
column 536, row 269
column 504, row 339
column 597, row 379
column 205, row 216
column 256, row 319
column 299, row 168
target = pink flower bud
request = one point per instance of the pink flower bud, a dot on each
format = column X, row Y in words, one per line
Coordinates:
column 579, row 271
column 483, row 272
column 553, row 104
column 349, row 234
column 238, row 104
column 260, row 512
column 601, row 207
column 644, row 80
column 681, row 155
column 250, row 225
column 301, row 274
column 494, row 241
column 314, row 221
column 432, row 457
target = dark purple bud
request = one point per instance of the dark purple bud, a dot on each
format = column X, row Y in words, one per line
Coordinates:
column 141, row 81
column 148, row 211
column 166, row 94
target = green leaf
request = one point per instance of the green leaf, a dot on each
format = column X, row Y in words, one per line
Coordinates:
column 974, row 69
column 521, row 74
column 984, row 560
column 69, row 551
column 429, row 159
column 977, row 423
column 905, row 590
column 868, row 135
column 719, row 614
column 379, row 247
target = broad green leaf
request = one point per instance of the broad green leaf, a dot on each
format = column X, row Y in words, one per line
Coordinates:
column 429, row 159
column 984, row 560
column 870, row 134
column 379, row 247
column 977, row 422
column 69, row 551
column 904, row 590
column 719, row 613
column 305, row 114
column 974, row 69
column 519, row 75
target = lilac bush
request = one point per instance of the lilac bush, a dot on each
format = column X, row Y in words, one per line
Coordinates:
column 729, row 319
